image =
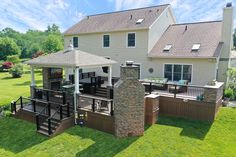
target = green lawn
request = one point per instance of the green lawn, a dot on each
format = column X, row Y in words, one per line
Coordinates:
column 171, row 137
column 13, row 88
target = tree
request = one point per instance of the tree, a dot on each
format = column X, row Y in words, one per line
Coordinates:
column 54, row 29
column 8, row 47
column 53, row 43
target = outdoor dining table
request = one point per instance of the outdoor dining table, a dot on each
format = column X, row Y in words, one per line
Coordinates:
column 87, row 81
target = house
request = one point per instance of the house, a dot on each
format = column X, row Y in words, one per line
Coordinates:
column 198, row 52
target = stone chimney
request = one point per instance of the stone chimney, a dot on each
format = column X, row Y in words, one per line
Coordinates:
column 129, row 102
column 227, row 39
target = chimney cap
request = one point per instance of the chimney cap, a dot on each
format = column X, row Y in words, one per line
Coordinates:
column 229, row 4
column 129, row 63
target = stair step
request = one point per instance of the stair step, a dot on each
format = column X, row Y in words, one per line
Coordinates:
column 43, row 132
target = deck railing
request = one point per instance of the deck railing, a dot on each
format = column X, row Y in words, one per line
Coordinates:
column 25, row 103
column 97, row 103
column 175, row 90
column 50, row 95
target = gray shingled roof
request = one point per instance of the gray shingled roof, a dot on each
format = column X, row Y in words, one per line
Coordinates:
column 73, row 58
column 207, row 34
column 117, row 21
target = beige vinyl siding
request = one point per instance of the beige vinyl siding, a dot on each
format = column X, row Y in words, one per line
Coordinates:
column 203, row 70
column 159, row 27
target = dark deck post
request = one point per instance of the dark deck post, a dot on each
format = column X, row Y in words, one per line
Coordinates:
column 49, row 109
column 64, row 98
column 111, row 112
column 14, row 105
column 68, row 110
column 93, row 105
column 47, row 93
column 175, row 91
column 37, row 122
column 21, row 102
column 61, row 116
column 150, row 87
column 34, row 106
column 49, row 127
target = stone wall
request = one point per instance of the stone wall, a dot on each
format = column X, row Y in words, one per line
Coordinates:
column 129, row 103
column 46, row 82
column 212, row 93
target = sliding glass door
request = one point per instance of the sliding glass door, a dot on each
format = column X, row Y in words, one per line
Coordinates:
column 176, row 72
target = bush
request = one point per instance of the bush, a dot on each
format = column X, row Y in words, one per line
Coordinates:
column 37, row 54
column 229, row 93
column 7, row 65
column 16, row 71
column 14, row 59
column 7, row 113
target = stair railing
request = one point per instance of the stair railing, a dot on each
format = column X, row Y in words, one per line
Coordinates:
column 41, row 116
column 61, row 117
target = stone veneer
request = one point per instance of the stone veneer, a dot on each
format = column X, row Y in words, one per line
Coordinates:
column 129, row 103
column 213, row 93
column 46, row 82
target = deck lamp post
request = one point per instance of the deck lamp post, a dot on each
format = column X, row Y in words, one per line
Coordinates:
column 110, row 76
column 76, row 93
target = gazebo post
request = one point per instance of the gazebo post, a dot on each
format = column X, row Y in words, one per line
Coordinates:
column 67, row 74
column 110, row 76
column 77, row 92
column 32, row 84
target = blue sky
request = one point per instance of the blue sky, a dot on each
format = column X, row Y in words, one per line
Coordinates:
column 22, row 15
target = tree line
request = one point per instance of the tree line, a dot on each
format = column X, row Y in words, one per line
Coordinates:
column 25, row 45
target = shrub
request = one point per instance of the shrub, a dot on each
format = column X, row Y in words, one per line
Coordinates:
column 37, row 54
column 14, row 59
column 228, row 93
column 16, row 71
column 7, row 65
column 7, row 113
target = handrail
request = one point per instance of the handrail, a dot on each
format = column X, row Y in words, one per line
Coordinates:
column 49, row 90
column 40, row 113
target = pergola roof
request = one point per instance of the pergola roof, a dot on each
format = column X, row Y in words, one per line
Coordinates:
column 70, row 58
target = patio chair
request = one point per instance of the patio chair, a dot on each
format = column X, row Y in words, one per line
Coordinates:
column 181, row 87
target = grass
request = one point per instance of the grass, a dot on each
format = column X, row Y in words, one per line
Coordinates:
column 171, row 137
column 13, row 88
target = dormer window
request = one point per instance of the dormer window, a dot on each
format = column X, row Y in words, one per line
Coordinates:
column 167, row 48
column 196, row 47
column 139, row 21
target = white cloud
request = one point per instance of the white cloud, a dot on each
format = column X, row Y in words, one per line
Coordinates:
column 130, row 4
column 57, row 4
column 32, row 14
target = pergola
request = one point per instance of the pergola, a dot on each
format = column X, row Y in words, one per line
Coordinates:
column 71, row 59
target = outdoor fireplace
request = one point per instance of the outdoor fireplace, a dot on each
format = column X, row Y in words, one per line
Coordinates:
column 129, row 103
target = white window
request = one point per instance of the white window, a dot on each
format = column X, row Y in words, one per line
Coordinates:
column 106, row 40
column 75, row 42
column 167, row 47
column 196, row 47
column 176, row 72
column 131, row 40
column 139, row 21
